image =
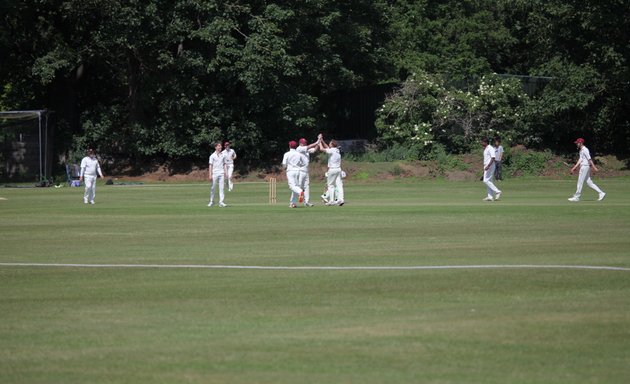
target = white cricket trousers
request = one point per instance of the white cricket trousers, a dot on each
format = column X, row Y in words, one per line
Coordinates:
column 230, row 171
column 293, row 178
column 335, row 185
column 305, row 184
column 90, row 188
column 491, row 189
column 585, row 175
column 217, row 179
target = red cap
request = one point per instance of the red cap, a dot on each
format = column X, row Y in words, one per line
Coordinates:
column 579, row 141
column 292, row 144
column 303, row 141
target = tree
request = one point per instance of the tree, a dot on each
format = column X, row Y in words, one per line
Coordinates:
column 163, row 80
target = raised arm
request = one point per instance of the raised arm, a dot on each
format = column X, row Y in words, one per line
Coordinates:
column 314, row 145
column 322, row 145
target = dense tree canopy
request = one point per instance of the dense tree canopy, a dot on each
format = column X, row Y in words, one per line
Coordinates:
column 161, row 80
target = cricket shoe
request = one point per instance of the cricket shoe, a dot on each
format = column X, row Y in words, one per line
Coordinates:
column 573, row 199
column 92, row 202
column 497, row 196
column 488, row 198
column 601, row 196
column 324, row 199
column 301, row 198
column 292, row 205
column 210, row 204
column 308, row 204
column 85, row 201
column 340, row 202
column 222, row 205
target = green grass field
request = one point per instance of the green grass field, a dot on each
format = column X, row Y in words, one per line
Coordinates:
column 193, row 325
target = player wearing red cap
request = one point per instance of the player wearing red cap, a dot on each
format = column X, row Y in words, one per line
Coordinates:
column 304, row 180
column 292, row 162
column 585, row 163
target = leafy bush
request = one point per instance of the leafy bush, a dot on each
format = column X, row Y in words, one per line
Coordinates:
column 406, row 116
column 446, row 161
column 395, row 152
column 425, row 111
column 519, row 161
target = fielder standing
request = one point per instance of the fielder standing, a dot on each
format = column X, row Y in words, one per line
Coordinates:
column 493, row 193
column 292, row 162
column 585, row 163
column 217, row 170
column 89, row 170
column 230, row 156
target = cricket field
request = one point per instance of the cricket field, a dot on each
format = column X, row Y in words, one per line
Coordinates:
column 408, row 282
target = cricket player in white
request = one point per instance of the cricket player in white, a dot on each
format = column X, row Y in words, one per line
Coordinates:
column 304, row 180
column 498, row 161
column 493, row 193
column 585, row 163
column 89, row 170
column 230, row 156
column 334, row 180
column 217, row 170
column 292, row 162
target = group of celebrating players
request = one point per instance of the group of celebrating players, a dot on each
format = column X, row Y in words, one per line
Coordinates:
column 295, row 163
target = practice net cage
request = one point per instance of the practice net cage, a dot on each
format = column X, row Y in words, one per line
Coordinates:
column 26, row 142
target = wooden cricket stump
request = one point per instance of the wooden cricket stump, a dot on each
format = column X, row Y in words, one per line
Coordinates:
column 272, row 190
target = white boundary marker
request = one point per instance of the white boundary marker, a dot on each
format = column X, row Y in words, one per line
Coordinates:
column 317, row 268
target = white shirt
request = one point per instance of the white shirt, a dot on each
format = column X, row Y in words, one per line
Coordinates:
column 306, row 153
column 229, row 156
column 90, row 167
column 293, row 160
column 334, row 157
column 217, row 161
column 488, row 155
column 499, row 153
column 585, row 157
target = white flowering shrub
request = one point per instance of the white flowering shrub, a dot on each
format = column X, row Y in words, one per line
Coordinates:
column 406, row 117
column 424, row 110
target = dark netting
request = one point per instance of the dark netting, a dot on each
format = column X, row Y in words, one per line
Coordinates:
column 25, row 141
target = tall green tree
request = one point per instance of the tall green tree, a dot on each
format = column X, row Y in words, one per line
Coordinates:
column 460, row 39
column 162, row 80
column 584, row 47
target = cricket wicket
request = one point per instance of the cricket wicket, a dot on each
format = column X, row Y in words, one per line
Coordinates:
column 272, row 190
